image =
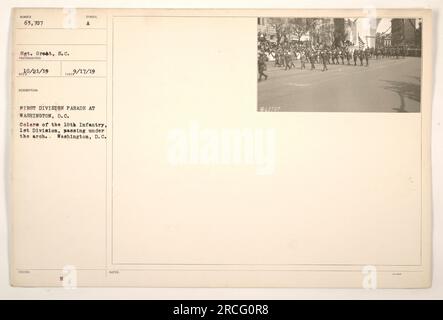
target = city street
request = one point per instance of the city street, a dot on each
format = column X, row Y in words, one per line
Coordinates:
column 387, row 85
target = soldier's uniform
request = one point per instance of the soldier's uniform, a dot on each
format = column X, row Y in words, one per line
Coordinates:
column 360, row 56
column 367, row 53
column 312, row 60
column 336, row 56
column 287, row 61
column 348, row 56
column 355, row 57
column 303, row 60
column 324, row 58
column 291, row 59
column 280, row 58
column 277, row 59
column 342, row 57
column 262, row 66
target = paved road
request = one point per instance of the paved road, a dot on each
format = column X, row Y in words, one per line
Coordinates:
column 387, row 85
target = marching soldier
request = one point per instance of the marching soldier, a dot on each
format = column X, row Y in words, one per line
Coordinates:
column 277, row 59
column 291, row 59
column 367, row 53
column 315, row 53
column 280, row 58
column 336, row 55
column 348, row 56
column 324, row 58
column 355, row 56
column 312, row 60
column 342, row 56
column 287, row 61
column 262, row 66
column 361, row 56
column 302, row 60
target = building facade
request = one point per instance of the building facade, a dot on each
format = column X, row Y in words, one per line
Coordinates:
column 404, row 32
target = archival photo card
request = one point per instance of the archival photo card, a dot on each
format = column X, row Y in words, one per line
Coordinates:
column 147, row 149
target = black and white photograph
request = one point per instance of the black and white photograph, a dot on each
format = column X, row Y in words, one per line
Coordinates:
column 360, row 64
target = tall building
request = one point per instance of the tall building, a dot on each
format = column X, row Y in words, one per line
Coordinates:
column 403, row 32
column 339, row 31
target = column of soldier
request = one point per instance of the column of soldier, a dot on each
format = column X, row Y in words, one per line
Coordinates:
column 325, row 55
